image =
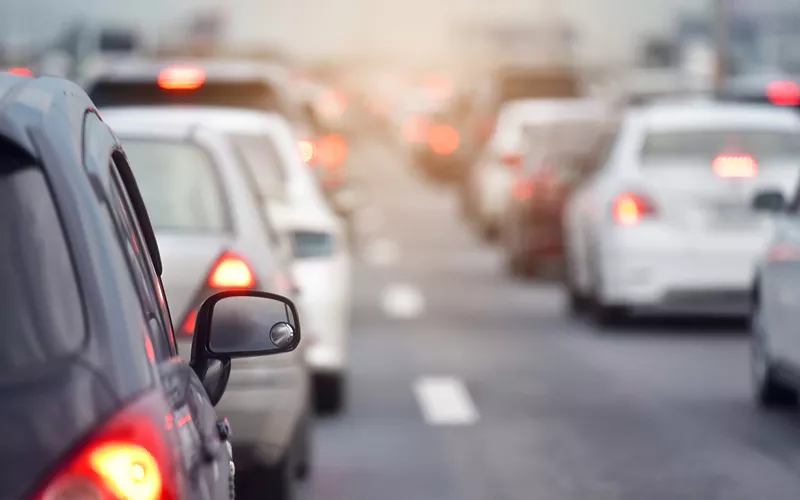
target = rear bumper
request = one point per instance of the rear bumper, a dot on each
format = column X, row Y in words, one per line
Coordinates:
column 681, row 275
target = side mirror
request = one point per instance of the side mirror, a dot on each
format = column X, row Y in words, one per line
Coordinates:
column 241, row 324
column 769, row 201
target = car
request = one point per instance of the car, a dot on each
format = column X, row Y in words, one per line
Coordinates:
column 488, row 188
column 665, row 225
column 215, row 235
column 775, row 347
column 559, row 153
column 90, row 346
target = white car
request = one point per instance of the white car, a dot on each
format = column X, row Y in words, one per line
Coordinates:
column 665, row 223
column 488, row 189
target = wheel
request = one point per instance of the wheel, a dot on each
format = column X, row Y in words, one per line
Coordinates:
column 304, row 450
column 276, row 482
column 329, row 392
column 769, row 390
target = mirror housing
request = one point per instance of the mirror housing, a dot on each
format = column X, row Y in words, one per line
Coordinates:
column 241, row 324
column 770, row 200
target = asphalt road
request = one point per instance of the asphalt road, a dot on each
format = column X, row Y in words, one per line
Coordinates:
column 468, row 385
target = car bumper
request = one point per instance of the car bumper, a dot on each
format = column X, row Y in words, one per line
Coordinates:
column 694, row 276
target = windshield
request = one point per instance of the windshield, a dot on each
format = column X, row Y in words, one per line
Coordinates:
column 705, row 145
column 246, row 95
column 258, row 155
column 311, row 244
column 179, row 185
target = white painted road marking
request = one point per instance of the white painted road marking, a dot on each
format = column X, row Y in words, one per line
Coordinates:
column 445, row 401
column 402, row 301
column 382, row 253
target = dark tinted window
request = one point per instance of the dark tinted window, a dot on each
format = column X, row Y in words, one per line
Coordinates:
column 312, row 244
column 117, row 41
column 179, row 185
column 705, row 145
column 40, row 301
column 248, row 95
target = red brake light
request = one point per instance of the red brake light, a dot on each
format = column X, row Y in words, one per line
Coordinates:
column 630, row 209
column 231, row 271
column 128, row 459
column 783, row 93
column 189, row 323
column 513, row 161
column 443, row 139
column 331, row 150
column 306, row 148
column 181, row 78
column 735, row 166
column 783, row 253
column 21, row 72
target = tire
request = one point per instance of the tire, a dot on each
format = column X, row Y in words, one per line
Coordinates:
column 605, row 315
column 329, row 393
column 275, row 482
column 769, row 391
column 305, row 451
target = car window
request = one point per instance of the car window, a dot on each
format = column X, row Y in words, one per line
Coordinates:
column 702, row 146
column 179, row 185
column 40, row 299
column 313, row 244
column 258, row 155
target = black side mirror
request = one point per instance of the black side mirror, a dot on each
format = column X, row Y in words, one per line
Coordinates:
column 241, row 324
column 769, row 201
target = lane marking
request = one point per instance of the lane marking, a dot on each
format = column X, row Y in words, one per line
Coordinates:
column 445, row 401
column 382, row 252
column 402, row 301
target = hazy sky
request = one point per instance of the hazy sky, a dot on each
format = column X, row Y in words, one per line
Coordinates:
column 609, row 28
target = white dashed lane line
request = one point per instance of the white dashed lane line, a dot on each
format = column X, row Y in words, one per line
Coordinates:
column 400, row 301
column 445, row 401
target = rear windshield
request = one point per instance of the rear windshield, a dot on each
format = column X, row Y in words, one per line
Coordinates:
column 312, row 244
column 705, row 145
column 538, row 86
column 179, row 185
column 259, row 156
column 258, row 95
column 117, row 41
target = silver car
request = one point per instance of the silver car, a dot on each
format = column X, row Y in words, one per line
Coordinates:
column 213, row 236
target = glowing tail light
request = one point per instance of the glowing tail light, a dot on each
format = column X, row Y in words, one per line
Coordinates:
column 189, row 323
column 231, row 272
column 630, row 209
column 307, row 150
column 783, row 93
column 443, row 139
column 128, row 459
column 181, row 78
column 20, row 72
column 735, row 166
column 331, row 151
column 783, row 253
column 512, row 161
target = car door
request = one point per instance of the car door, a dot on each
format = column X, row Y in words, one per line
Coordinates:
column 192, row 424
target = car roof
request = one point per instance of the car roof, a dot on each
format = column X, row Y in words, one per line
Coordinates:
column 705, row 114
column 30, row 106
column 182, row 120
column 142, row 69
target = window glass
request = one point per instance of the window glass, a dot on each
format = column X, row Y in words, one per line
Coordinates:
column 179, row 185
column 313, row 244
column 702, row 146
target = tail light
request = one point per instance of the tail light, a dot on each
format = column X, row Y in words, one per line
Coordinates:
column 21, row 72
column 306, row 148
column 129, row 458
column 735, row 166
column 783, row 93
column 331, row 151
column 630, row 209
column 230, row 272
column 181, row 78
column 779, row 253
column 512, row 161
column 522, row 190
column 443, row 139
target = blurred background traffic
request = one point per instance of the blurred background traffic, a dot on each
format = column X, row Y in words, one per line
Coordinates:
column 540, row 250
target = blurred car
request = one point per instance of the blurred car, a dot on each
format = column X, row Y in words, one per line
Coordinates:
column 487, row 191
column 558, row 153
column 665, row 223
column 214, row 236
column 444, row 151
column 89, row 346
column 775, row 350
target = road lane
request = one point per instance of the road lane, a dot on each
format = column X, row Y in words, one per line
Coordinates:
column 566, row 412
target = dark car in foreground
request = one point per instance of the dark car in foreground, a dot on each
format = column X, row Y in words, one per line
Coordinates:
column 100, row 403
